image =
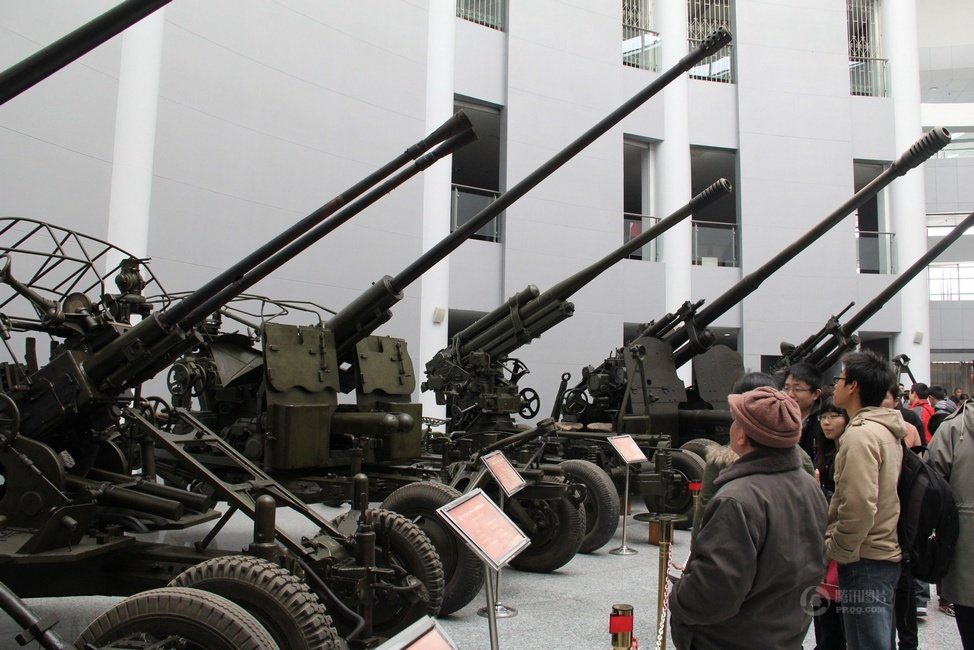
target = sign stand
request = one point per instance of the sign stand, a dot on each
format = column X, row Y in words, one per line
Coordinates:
column 510, row 481
column 630, row 453
column 490, row 534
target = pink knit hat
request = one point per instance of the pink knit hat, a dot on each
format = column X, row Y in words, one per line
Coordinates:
column 768, row 416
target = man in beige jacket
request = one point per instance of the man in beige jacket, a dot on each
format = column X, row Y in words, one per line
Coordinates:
column 861, row 534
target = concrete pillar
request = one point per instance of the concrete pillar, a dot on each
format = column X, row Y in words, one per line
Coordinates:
column 435, row 283
column 672, row 158
column 908, row 209
column 135, row 136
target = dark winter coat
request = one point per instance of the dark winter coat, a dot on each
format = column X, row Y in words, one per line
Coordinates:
column 757, row 559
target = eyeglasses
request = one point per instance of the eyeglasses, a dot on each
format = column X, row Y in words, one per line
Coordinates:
column 837, row 379
column 795, row 389
column 829, row 416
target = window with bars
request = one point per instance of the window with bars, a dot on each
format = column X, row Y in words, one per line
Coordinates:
column 705, row 16
column 867, row 67
column 489, row 13
column 640, row 43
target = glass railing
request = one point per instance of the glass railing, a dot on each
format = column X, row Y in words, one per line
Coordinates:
column 489, row 13
column 714, row 243
column 466, row 203
column 867, row 76
column 875, row 252
column 719, row 66
column 640, row 48
column 635, row 225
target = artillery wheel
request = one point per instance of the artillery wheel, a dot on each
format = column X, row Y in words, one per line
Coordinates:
column 172, row 617
column 699, row 446
column 530, row 403
column 463, row 571
column 282, row 603
column 556, row 528
column 601, row 503
column 690, row 467
column 402, row 546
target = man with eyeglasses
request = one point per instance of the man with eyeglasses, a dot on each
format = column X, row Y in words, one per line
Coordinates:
column 865, row 509
column 804, row 384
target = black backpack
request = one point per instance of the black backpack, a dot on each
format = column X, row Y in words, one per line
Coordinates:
column 928, row 524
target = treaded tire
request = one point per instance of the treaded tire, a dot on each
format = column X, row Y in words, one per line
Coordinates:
column 282, row 603
column 463, row 571
column 601, row 503
column 401, row 544
column 699, row 446
column 691, row 466
column 558, row 530
column 206, row 621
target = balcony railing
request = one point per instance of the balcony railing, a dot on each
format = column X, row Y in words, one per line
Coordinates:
column 719, row 66
column 466, row 203
column 867, row 77
column 874, row 252
column 714, row 243
column 635, row 225
column 640, row 48
column 489, row 13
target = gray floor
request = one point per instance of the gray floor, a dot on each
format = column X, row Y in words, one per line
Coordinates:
column 566, row 609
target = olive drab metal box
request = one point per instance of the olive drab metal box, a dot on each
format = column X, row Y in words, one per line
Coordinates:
column 386, row 382
column 301, row 373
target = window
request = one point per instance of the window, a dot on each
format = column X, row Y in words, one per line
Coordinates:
column 952, row 281
column 875, row 253
column 714, row 226
column 867, row 68
column 705, row 16
column 640, row 44
column 489, row 13
column 636, row 204
column 476, row 171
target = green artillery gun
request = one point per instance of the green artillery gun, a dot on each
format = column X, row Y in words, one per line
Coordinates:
column 478, row 380
column 825, row 348
column 78, row 441
column 636, row 390
column 299, row 432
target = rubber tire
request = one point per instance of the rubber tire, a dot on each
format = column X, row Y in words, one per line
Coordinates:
column 601, row 503
column 400, row 543
column 561, row 529
column 206, row 620
column 691, row 466
column 699, row 446
column 282, row 603
column 463, row 570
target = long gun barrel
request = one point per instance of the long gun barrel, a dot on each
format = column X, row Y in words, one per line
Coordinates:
column 42, row 64
column 361, row 317
column 921, row 150
column 800, row 352
column 828, row 354
column 505, row 329
column 150, row 346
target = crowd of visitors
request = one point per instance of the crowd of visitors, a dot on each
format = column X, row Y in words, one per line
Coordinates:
column 774, row 548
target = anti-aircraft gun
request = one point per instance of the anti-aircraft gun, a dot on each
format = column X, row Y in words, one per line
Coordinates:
column 300, row 432
column 477, row 379
column 70, row 426
column 636, row 390
column 825, row 348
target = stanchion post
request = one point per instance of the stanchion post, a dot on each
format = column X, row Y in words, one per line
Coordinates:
column 621, row 626
column 500, row 609
column 624, row 549
column 665, row 538
column 696, row 489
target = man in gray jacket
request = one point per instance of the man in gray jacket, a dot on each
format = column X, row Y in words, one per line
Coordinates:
column 865, row 508
column 757, row 559
column 952, row 454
